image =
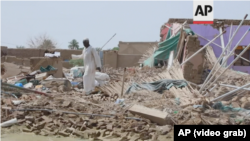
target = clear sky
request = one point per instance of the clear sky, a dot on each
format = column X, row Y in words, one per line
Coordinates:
column 99, row 21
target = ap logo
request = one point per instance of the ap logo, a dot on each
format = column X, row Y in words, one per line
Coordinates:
column 203, row 12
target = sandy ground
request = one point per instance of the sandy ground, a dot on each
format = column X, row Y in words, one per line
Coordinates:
column 32, row 137
column 14, row 134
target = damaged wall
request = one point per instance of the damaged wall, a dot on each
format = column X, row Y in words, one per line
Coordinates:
column 128, row 60
column 25, row 53
column 22, row 56
column 135, row 48
column 33, row 52
column 110, row 58
column 193, row 69
column 128, row 55
column 210, row 32
column 37, row 62
column 4, row 50
column 66, row 53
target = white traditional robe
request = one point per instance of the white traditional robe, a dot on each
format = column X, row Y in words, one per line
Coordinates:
column 91, row 61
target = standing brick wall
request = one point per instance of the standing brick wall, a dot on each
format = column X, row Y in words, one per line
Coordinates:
column 194, row 68
column 66, row 53
column 110, row 58
column 4, row 50
column 26, row 52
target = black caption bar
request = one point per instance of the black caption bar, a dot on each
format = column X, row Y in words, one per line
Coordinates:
column 221, row 132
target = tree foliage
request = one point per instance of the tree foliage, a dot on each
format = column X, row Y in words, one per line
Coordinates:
column 115, row 48
column 73, row 44
column 76, row 62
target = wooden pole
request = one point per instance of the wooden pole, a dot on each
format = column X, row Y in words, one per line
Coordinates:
column 123, row 81
column 222, row 48
column 213, row 74
column 228, row 66
column 231, row 92
column 108, row 41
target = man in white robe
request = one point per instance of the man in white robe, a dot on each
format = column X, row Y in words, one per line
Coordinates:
column 92, row 63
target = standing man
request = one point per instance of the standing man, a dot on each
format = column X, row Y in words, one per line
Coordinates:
column 92, row 63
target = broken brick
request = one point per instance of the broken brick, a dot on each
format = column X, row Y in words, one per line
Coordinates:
column 29, row 118
column 66, row 104
column 72, row 115
column 109, row 127
column 47, row 119
column 154, row 115
column 27, row 130
column 64, row 134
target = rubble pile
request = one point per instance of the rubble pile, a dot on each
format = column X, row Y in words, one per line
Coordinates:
column 72, row 114
column 58, row 108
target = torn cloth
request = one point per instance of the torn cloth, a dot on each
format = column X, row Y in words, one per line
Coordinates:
column 157, row 86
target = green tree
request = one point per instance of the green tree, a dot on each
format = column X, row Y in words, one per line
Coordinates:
column 73, row 44
column 20, row 47
column 115, row 48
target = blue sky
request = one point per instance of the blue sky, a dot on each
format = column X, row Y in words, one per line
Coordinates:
column 99, row 21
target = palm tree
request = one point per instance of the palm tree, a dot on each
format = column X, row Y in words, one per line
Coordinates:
column 73, row 44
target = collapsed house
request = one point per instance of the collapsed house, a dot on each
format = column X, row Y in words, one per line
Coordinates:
column 184, row 43
column 139, row 103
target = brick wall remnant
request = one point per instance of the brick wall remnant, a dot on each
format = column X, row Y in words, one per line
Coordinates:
column 37, row 62
column 4, row 51
column 194, row 68
column 110, row 58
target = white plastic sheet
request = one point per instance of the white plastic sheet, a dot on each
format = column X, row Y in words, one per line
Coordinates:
column 77, row 71
column 102, row 76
